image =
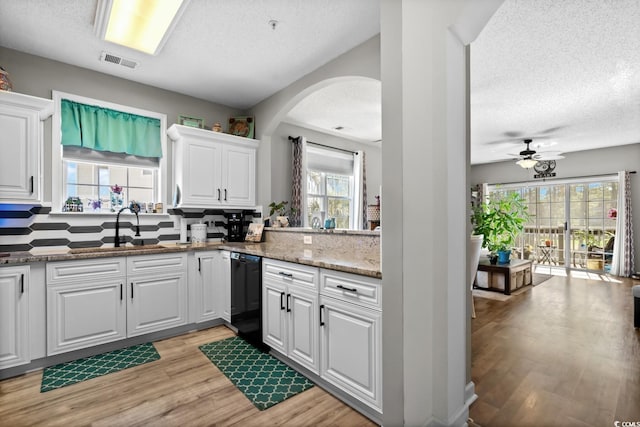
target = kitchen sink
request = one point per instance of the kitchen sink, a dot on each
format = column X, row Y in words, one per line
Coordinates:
column 113, row 249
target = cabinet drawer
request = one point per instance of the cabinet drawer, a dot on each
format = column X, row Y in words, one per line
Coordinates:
column 351, row 288
column 151, row 264
column 85, row 270
column 289, row 273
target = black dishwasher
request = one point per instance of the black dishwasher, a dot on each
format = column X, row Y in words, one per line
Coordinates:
column 246, row 297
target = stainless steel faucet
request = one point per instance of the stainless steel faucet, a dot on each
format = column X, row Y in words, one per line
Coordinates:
column 135, row 208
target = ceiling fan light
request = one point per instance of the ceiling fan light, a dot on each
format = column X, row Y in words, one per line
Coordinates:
column 527, row 163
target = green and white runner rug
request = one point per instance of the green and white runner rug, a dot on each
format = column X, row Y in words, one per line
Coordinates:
column 264, row 379
column 79, row 370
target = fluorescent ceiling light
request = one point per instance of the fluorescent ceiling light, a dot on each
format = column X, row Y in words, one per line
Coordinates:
column 527, row 163
column 143, row 25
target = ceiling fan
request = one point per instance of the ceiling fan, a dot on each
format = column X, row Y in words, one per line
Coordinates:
column 529, row 158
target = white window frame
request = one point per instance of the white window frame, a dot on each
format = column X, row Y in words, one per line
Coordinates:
column 325, row 196
column 57, row 167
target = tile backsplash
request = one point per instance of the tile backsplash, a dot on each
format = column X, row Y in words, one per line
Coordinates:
column 34, row 228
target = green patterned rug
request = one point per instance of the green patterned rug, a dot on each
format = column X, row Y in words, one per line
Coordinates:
column 79, row 370
column 265, row 380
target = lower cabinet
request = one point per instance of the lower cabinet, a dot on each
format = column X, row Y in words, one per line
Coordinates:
column 14, row 316
column 224, row 271
column 96, row 301
column 290, row 311
column 351, row 349
column 210, row 286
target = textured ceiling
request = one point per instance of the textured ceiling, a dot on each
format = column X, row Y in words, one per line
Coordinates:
column 223, row 51
column 563, row 73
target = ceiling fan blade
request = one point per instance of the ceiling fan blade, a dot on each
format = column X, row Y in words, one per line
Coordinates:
column 548, row 156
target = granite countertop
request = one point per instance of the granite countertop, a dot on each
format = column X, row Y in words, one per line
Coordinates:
column 334, row 260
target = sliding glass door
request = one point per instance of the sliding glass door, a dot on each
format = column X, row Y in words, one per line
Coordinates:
column 572, row 223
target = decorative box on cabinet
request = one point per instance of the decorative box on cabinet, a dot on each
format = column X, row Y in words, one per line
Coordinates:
column 14, row 316
column 21, row 143
column 290, row 311
column 213, row 169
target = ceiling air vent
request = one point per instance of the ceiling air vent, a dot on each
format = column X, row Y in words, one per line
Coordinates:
column 118, row 60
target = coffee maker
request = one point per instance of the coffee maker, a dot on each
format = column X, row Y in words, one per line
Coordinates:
column 235, row 226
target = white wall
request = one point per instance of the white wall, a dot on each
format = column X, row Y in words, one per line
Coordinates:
column 592, row 162
column 281, row 159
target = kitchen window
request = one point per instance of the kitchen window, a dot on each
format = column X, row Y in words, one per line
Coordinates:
column 330, row 186
column 331, row 193
column 106, row 155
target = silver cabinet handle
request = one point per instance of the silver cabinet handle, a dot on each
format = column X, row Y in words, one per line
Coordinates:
column 289, row 275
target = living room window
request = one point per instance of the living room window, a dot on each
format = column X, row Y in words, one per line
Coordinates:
column 106, row 155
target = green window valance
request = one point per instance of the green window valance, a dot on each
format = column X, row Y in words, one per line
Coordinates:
column 102, row 129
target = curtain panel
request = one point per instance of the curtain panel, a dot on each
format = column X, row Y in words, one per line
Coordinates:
column 298, row 183
column 622, row 263
column 103, row 129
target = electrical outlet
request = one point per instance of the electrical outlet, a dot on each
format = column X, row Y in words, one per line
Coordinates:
column 308, row 240
column 308, row 253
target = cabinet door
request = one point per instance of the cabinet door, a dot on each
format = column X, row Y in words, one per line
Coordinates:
column 14, row 316
column 303, row 329
column 224, row 272
column 201, row 171
column 20, row 145
column 82, row 315
column 238, row 176
column 274, row 315
column 156, row 303
column 351, row 349
column 207, row 286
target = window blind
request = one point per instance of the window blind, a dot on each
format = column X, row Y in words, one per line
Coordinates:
column 330, row 161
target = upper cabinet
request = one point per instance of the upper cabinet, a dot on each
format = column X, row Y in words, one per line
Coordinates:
column 212, row 169
column 21, row 143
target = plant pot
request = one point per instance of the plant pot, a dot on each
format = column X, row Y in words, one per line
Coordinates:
column 283, row 221
column 503, row 257
column 493, row 259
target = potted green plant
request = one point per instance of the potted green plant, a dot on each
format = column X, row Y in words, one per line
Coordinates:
column 282, row 217
column 500, row 220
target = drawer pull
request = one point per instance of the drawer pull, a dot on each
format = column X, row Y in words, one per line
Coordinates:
column 289, row 275
column 347, row 289
column 321, row 312
column 281, row 300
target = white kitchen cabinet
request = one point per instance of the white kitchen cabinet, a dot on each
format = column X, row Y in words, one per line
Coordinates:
column 86, row 314
column 86, row 303
column 206, row 289
column 14, row 316
column 157, row 292
column 225, row 284
column 351, row 343
column 21, row 143
column 96, row 301
column 290, row 311
column 213, row 169
column 351, row 334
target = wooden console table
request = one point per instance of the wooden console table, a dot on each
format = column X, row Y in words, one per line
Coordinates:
column 514, row 271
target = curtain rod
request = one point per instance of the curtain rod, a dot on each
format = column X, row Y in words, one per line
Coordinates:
column 560, row 178
column 295, row 138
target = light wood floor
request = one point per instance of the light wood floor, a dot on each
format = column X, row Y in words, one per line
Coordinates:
column 183, row 388
column 563, row 354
